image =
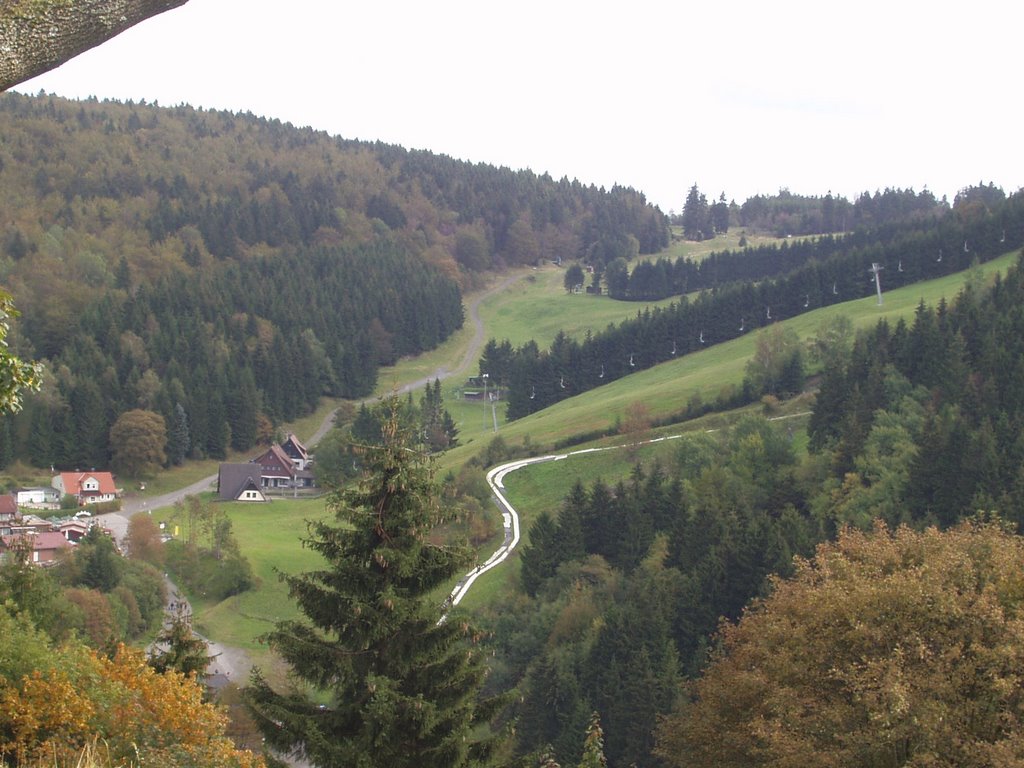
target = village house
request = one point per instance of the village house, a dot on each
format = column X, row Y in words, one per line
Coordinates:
column 279, row 471
column 87, row 487
column 8, row 514
column 74, row 529
column 47, row 546
column 281, row 467
column 31, row 524
column 297, row 452
column 41, row 498
column 240, row 482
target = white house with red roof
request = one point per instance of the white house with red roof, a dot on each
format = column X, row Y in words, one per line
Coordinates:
column 87, row 487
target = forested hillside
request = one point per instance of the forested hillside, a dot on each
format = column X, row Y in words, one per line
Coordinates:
column 914, row 425
column 786, row 214
column 740, row 292
column 225, row 271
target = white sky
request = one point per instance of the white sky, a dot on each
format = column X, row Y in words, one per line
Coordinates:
column 741, row 97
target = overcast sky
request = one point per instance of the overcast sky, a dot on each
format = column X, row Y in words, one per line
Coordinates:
column 737, row 97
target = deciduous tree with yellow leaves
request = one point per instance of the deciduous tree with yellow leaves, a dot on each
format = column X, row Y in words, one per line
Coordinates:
column 54, row 701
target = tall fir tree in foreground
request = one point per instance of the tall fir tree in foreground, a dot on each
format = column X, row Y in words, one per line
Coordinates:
column 402, row 687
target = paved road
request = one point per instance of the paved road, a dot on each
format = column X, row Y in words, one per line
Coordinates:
column 132, row 504
column 234, row 663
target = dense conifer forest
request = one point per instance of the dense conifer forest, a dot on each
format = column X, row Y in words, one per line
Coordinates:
column 226, row 271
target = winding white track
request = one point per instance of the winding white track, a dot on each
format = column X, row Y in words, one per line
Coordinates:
column 496, row 478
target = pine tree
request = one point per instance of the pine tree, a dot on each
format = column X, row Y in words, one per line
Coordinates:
column 696, row 216
column 178, row 648
column 402, row 686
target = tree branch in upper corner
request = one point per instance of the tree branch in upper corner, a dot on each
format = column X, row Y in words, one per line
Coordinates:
column 39, row 35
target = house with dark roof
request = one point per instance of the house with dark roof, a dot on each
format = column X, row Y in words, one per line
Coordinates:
column 277, row 470
column 240, row 482
column 297, row 452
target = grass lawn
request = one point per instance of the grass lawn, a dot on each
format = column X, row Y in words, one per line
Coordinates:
column 270, row 536
column 537, row 307
column 697, row 251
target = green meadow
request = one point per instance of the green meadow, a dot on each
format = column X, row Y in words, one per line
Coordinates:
column 532, row 304
column 730, row 241
column 270, row 536
column 537, row 307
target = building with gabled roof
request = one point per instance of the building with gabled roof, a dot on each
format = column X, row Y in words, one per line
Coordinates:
column 46, row 545
column 9, row 514
column 297, row 452
column 87, row 487
column 277, row 470
column 240, row 482
column 37, row 497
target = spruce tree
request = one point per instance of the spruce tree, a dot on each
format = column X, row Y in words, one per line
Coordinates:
column 178, row 648
column 179, row 441
column 401, row 685
column 539, row 560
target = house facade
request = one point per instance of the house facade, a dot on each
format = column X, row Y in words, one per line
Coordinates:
column 8, row 514
column 281, row 467
column 37, row 497
column 297, row 452
column 278, row 470
column 86, row 487
column 73, row 529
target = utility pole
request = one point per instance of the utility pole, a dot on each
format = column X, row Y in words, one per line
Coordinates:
column 486, row 398
column 876, row 268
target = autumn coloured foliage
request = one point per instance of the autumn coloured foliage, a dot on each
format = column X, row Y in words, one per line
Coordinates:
column 52, row 713
column 889, row 648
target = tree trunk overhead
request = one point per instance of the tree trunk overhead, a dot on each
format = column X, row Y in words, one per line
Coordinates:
column 39, row 35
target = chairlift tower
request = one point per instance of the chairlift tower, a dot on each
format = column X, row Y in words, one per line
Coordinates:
column 876, row 269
